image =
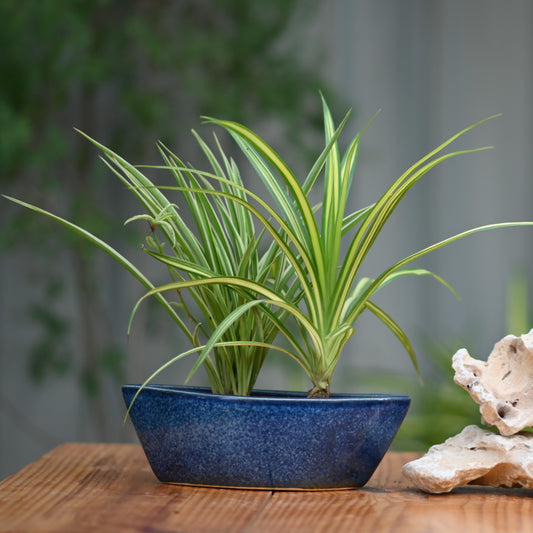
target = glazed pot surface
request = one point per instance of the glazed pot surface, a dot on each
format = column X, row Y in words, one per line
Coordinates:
column 271, row 440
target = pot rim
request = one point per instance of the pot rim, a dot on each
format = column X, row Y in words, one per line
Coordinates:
column 269, row 395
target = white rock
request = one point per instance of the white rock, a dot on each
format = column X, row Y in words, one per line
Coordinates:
column 503, row 385
column 477, row 456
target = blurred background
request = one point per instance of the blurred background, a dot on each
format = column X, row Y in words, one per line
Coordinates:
column 131, row 73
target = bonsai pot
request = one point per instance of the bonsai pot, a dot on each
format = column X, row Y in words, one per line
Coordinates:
column 271, row 440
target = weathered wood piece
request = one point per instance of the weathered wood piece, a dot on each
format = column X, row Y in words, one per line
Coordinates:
column 476, row 456
column 502, row 385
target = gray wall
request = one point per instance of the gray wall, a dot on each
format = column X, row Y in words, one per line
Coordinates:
column 432, row 68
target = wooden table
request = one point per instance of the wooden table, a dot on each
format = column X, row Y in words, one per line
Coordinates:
column 78, row 488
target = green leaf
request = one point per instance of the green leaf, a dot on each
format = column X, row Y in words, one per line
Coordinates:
column 400, row 334
column 112, row 252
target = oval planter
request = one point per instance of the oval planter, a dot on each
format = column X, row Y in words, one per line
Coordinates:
column 271, row 440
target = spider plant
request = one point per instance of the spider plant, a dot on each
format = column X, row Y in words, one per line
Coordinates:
column 257, row 268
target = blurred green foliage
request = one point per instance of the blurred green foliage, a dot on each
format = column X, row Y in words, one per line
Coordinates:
column 439, row 408
column 127, row 73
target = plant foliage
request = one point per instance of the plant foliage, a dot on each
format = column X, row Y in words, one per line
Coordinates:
column 253, row 266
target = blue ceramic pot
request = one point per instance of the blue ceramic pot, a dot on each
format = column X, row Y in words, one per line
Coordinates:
column 266, row 440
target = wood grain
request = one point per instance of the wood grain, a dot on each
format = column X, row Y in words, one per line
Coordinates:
column 110, row 488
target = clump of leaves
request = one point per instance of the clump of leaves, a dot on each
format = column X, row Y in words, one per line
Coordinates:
column 219, row 245
column 250, row 264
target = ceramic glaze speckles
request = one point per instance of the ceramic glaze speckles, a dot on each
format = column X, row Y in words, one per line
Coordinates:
column 267, row 440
